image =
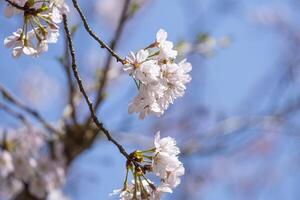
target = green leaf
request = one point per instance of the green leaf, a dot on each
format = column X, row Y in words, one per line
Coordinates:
column 74, row 28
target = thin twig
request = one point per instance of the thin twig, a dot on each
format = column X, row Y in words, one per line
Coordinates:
column 25, row 8
column 7, row 96
column 113, row 44
column 14, row 114
column 71, row 88
column 93, row 35
column 16, row 5
column 82, row 90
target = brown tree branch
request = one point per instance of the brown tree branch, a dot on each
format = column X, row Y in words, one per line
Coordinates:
column 99, row 125
column 35, row 114
column 71, row 87
column 113, row 44
column 14, row 114
column 93, row 35
column 24, row 8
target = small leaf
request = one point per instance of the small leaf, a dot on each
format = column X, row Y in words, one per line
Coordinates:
column 74, row 28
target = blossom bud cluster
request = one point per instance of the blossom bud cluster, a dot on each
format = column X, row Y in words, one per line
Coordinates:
column 160, row 80
column 24, row 162
column 162, row 161
column 40, row 26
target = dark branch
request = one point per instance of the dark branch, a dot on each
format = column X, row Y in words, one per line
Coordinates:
column 93, row 35
column 16, row 5
column 113, row 45
column 7, row 96
column 25, row 8
column 14, row 114
column 82, row 90
column 71, row 88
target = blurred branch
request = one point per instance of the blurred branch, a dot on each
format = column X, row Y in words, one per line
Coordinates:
column 7, row 96
column 26, row 195
column 93, row 35
column 14, row 114
column 226, row 128
column 235, row 124
column 290, row 108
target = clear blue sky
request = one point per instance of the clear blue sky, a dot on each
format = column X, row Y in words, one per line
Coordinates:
column 229, row 76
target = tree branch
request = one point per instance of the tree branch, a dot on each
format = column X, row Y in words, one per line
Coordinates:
column 14, row 114
column 7, row 96
column 113, row 45
column 71, row 88
column 25, row 8
column 99, row 125
column 93, row 35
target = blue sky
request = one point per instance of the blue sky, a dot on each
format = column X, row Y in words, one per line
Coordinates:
column 230, row 76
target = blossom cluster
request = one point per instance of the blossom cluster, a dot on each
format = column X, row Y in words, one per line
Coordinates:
column 24, row 162
column 160, row 80
column 40, row 25
column 162, row 160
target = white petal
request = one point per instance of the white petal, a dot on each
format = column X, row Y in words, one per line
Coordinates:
column 29, row 51
column 9, row 11
column 161, row 36
column 56, row 15
column 16, row 52
column 142, row 55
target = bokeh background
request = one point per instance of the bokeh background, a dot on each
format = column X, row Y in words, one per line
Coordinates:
column 237, row 125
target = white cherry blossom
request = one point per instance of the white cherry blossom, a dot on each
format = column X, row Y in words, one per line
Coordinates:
column 57, row 195
column 165, row 165
column 37, row 187
column 6, row 164
column 20, row 43
column 10, row 10
column 31, row 164
column 44, row 25
column 148, row 72
column 161, row 36
column 24, row 167
column 135, row 60
column 124, row 194
column 172, row 180
column 165, row 145
column 166, row 50
column 60, row 5
column 160, row 80
column 145, row 102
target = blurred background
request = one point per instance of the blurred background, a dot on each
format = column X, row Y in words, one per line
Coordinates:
column 237, row 125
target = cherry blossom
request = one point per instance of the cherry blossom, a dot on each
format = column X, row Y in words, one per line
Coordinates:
column 29, row 164
column 10, row 10
column 160, row 80
column 6, row 164
column 164, row 164
column 44, row 23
